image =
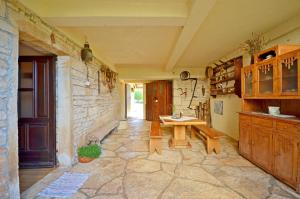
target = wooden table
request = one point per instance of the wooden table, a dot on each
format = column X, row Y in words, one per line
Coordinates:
column 179, row 139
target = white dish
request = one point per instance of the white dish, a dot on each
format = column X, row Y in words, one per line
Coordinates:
column 274, row 110
column 284, row 116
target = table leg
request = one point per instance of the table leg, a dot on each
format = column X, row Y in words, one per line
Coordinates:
column 179, row 139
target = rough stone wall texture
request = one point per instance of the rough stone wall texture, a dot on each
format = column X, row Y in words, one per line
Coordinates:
column 9, row 180
column 91, row 109
column 181, row 102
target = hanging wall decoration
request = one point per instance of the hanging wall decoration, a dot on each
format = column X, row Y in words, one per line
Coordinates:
column 183, row 92
column 108, row 77
column 218, row 107
column 185, row 75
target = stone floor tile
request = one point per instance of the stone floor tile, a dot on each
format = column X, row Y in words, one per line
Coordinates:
column 113, row 187
column 109, row 197
column 141, row 165
column 196, row 174
column 145, row 185
column 89, row 192
column 182, row 188
column 169, row 168
column 131, row 155
column 167, row 156
column 108, row 153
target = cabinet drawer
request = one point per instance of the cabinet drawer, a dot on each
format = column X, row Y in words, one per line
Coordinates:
column 245, row 120
column 262, row 122
column 287, row 128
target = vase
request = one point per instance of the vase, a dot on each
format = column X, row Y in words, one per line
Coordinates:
column 85, row 159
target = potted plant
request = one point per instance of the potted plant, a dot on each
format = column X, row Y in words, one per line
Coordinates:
column 88, row 153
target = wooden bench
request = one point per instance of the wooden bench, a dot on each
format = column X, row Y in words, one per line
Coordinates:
column 209, row 135
column 155, row 137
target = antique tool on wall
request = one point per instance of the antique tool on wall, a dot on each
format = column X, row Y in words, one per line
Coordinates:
column 185, row 75
column 182, row 92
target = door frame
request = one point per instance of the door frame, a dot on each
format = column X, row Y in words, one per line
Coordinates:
column 52, row 108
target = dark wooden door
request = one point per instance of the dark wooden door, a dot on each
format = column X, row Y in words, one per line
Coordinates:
column 158, row 99
column 36, row 112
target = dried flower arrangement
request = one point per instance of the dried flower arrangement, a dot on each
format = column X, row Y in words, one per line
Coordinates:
column 254, row 45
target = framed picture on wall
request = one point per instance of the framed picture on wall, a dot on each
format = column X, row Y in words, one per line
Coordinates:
column 218, row 107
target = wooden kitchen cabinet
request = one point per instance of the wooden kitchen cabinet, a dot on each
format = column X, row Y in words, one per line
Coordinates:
column 286, row 158
column 272, row 142
column 245, row 140
column 275, row 145
column 247, row 81
column 262, row 147
column 289, row 74
column 266, row 78
column 245, row 136
column 275, row 74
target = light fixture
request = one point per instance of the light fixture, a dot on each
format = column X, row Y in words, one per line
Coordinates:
column 86, row 56
column 86, row 53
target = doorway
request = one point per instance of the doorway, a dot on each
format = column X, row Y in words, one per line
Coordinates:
column 36, row 111
column 135, row 100
column 36, row 115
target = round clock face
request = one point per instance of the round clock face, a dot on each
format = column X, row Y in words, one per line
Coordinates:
column 209, row 72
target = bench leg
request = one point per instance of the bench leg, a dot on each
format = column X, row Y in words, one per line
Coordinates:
column 209, row 145
column 217, row 146
column 213, row 144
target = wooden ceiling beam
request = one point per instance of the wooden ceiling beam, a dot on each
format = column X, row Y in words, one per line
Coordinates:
column 199, row 11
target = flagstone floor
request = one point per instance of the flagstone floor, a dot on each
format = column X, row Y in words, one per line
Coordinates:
column 126, row 170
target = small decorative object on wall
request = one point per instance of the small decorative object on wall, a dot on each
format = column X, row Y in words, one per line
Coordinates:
column 109, row 77
column 218, row 107
column 253, row 45
column 183, row 92
column 185, row 75
column 203, row 91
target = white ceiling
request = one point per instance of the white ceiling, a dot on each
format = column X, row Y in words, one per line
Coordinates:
column 130, row 45
column 231, row 22
column 163, row 34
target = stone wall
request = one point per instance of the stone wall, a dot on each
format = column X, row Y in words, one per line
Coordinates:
column 92, row 110
column 9, row 181
column 181, row 102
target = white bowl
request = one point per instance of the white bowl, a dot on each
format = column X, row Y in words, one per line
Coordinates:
column 274, row 110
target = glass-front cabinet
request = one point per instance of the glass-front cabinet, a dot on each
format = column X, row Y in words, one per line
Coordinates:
column 266, row 72
column 275, row 74
column 248, row 81
column 288, row 72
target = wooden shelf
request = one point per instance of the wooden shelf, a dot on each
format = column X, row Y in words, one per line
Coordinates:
column 220, row 72
column 223, row 80
column 229, row 73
